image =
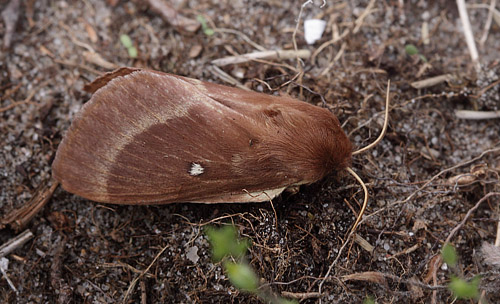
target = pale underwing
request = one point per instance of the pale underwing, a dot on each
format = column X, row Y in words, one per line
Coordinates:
column 147, row 137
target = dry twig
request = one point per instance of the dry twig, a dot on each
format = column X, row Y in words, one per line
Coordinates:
column 301, row 295
column 3, row 263
column 15, row 243
column 432, row 81
column 18, row 218
column 275, row 54
column 227, row 78
column 477, row 115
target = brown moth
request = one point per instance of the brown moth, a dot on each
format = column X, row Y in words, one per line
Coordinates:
column 147, row 137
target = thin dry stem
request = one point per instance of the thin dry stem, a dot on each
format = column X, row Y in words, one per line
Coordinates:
column 242, row 36
column 227, row 78
column 134, row 282
column 274, row 54
column 497, row 239
column 469, row 37
column 487, row 25
column 15, row 243
column 6, row 277
column 294, row 35
column 359, row 22
column 300, row 295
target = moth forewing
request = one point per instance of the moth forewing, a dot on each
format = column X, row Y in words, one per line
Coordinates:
column 147, row 137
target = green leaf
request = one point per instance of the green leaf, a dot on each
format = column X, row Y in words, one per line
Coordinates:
column 224, row 242
column 242, row 276
column 126, row 41
column 411, row 49
column 204, row 26
column 132, row 52
column 369, row 300
column 129, row 45
column 463, row 289
column 449, row 255
column 208, row 31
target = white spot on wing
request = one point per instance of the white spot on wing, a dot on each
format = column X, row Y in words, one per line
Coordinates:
column 196, row 169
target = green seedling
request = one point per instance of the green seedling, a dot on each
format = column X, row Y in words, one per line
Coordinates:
column 369, row 300
column 230, row 250
column 225, row 243
column 204, row 26
column 449, row 255
column 412, row 50
column 127, row 43
column 459, row 287
column 242, row 276
column 462, row 289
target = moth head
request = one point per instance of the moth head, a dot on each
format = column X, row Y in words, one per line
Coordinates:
column 308, row 140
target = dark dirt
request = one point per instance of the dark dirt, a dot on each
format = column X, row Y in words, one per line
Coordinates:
column 84, row 252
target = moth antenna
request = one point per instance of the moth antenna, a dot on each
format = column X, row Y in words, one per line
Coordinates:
column 365, row 201
column 373, row 144
column 384, row 128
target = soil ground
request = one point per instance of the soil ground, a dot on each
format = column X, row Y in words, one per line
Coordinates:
column 427, row 173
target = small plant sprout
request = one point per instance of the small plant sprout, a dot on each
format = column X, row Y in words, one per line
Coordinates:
column 230, row 250
column 449, row 255
column 460, row 288
column 412, row 50
column 204, row 26
column 128, row 44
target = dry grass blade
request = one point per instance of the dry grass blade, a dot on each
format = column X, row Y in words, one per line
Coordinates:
column 477, row 115
column 432, row 81
column 469, row 36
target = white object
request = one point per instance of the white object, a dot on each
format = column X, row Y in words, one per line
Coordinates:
column 192, row 254
column 4, row 263
column 313, row 30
